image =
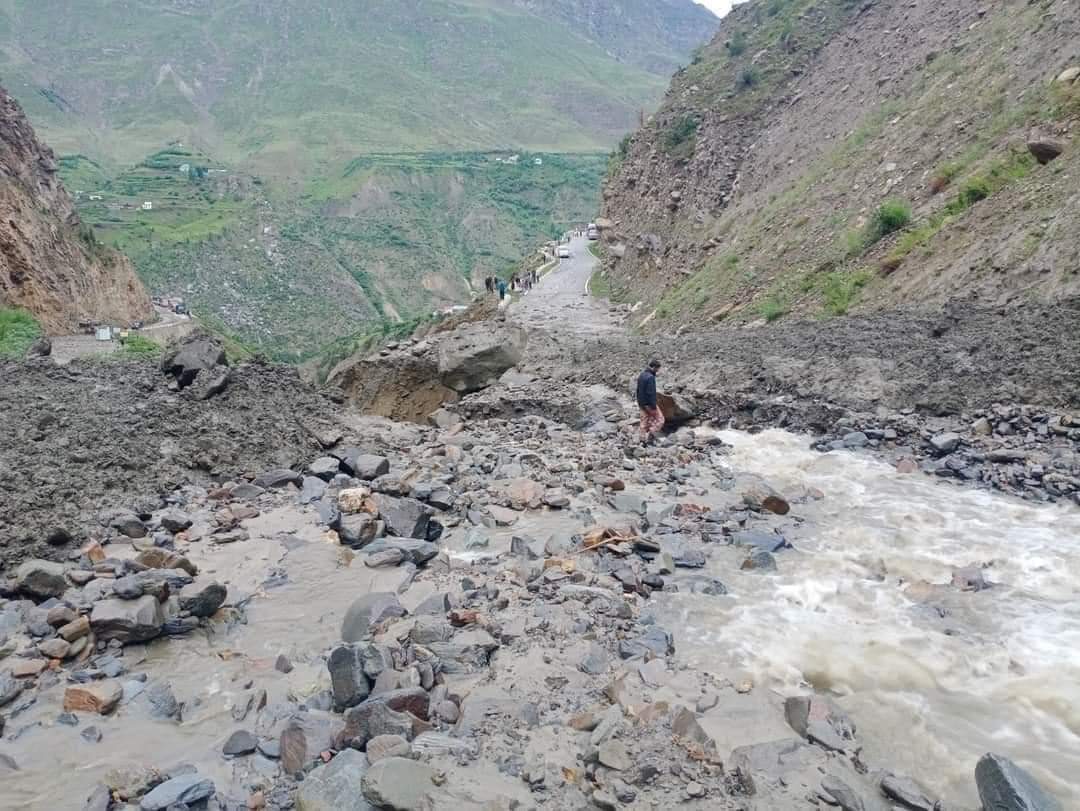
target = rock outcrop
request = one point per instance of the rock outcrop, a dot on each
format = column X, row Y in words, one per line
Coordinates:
column 50, row 263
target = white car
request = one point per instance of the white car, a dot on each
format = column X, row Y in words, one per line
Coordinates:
column 564, row 252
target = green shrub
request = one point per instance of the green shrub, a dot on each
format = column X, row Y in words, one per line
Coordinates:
column 840, row 290
column 891, row 216
column 18, row 330
column 683, row 130
column 737, row 44
column 136, row 346
column 772, row 308
column 748, row 77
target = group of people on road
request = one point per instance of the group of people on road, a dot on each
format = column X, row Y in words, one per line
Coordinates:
column 517, row 284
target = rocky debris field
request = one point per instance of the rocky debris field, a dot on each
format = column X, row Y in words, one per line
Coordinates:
column 900, row 383
column 502, row 645
column 81, row 439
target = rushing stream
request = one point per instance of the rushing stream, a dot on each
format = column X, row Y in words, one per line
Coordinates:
column 933, row 676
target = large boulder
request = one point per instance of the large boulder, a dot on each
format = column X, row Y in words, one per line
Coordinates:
column 337, row 786
column 127, row 620
column 403, row 517
column 41, row 579
column 192, row 355
column 306, row 736
column 1004, row 786
column 399, row 784
column 675, row 408
column 347, row 679
column 202, row 599
column 474, row 356
column 182, row 791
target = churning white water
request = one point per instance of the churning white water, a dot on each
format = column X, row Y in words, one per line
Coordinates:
column 933, row 676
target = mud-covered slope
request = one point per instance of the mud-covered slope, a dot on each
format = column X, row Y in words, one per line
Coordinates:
column 50, row 263
column 834, row 156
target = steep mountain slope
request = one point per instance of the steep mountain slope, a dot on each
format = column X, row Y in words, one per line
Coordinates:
column 827, row 156
column 50, row 264
column 285, row 85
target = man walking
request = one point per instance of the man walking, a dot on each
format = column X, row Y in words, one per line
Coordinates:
column 652, row 419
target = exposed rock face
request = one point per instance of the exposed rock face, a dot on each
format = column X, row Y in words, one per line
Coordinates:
column 49, row 263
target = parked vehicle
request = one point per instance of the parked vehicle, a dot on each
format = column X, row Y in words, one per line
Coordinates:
column 564, row 251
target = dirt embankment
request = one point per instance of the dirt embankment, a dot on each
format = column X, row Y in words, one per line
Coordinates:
column 50, row 264
column 92, row 435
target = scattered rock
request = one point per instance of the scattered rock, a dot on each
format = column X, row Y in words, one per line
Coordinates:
column 240, row 743
column 337, row 786
column 100, row 698
column 399, row 784
column 1004, row 786
column 202, row 599
column 41, row 579
column 185, row 790
column 127, row 620
column 367, row 611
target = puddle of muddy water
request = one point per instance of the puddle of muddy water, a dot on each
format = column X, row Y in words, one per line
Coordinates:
column 1000, row 671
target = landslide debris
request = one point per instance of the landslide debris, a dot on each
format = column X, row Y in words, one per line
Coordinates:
column 50, row 263
column 81, row 438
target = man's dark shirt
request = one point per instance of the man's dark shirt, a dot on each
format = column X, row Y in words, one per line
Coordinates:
column 646, row 389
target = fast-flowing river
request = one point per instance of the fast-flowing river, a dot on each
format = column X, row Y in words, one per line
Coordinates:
column 933, row 676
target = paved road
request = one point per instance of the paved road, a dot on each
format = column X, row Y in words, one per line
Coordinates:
column 65, row 348
column 561, row 301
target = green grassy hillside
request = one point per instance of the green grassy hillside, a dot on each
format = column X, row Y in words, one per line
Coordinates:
column 283, row 87
column 380, row 239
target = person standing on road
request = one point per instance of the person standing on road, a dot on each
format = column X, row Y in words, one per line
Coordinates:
column 652, row 419
column 502, row 289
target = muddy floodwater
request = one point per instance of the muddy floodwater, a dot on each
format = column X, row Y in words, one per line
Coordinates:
column 933, row 676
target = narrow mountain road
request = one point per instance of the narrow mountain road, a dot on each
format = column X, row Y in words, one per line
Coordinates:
column 562, row 302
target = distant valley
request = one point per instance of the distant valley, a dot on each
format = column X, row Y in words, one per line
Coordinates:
column 304, row 174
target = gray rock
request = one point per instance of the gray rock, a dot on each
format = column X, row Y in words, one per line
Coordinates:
column 175, row 520
column 41, row 579
column 969, row 578
column 324, row 468
column 240, row 743
column 399, row 784
column 625, row 502
column 202, row 599
column 1004, row 786
column 312, row 489
column 384, row 559
column 759, row 561
column 685, row 552
column 91, row 735
column 855, row 439
column 404, row 517
column 907, row 793
column 193, row 355
column 613, row 754
column 306, row 735
column 595, row 661
column 187, row 789
column 367, row 611
column 655, row 641
column 127, row 588
column 418, row 552
column 127, row 523
column 246, row 491
column 820, row 721
column 127, row 620
column 760, row 539
column 474, row 356
column 842, row 794
column 395, row 712
column 157, row 700
column 367, row 466
column 277, row 478
column 384, row 746
column 348, row 682
column 524, row 546
column 945, row 443
column 337, row 786
column 10, row 687
column 357, row 530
